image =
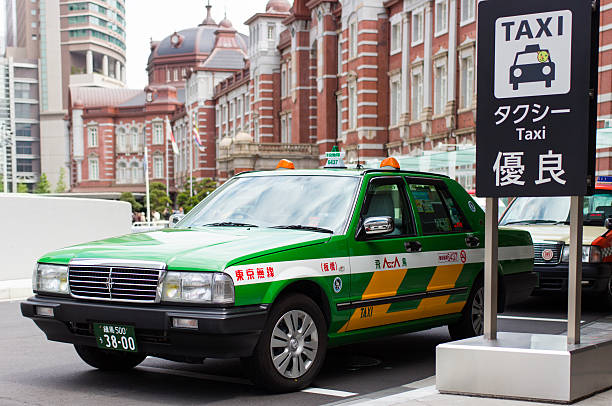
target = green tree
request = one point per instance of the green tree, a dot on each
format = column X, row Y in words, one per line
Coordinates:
column 201, row 189
column 43, row 185
column 159, row 197
column 1, row 183
column 22, row 188
column 61, row 182
column 129, row 197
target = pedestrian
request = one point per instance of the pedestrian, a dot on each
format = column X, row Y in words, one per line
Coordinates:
column 156, row 216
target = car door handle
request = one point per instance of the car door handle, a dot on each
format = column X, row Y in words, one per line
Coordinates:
column 413, row 246
column 472, row 241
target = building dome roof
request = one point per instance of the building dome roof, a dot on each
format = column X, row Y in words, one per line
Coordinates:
column 225, row 23
column 279, row 6
column 225, row 142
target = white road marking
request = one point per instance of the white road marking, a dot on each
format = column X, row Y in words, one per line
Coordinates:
column 399, row 398
column 196, row 375
column 329, row 392
column 534, row 319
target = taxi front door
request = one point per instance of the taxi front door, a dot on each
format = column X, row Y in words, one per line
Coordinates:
column 385, row 283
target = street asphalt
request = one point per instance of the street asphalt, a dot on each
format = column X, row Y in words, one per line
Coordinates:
column 34, row 371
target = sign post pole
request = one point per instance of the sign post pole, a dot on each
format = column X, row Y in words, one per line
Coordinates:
column 574, row 301
column 490, row 275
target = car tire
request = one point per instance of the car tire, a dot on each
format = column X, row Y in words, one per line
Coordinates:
column 606, row 296
column 291, row 349
column 109, row 360
column 471, row 323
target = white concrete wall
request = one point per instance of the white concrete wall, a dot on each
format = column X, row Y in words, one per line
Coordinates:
column 32, row 225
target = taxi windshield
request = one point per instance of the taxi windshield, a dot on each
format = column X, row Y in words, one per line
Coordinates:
column 526, row 58
column 555, row 210
column 318, row 203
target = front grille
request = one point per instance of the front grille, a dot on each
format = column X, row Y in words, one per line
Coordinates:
column 114, row 283
column 538, row 249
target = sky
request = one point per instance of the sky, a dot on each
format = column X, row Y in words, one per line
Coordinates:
column 157, row 19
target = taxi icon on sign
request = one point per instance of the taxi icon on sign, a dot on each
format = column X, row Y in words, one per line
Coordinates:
column 532, row 65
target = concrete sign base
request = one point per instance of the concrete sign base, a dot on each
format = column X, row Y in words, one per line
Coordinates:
column 528, row 366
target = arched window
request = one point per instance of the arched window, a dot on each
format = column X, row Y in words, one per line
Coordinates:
column 122, row 172
column 135, row 139
column 137, row 174
column 121, row 140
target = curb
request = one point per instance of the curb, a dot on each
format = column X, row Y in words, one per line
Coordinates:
column 15, row 289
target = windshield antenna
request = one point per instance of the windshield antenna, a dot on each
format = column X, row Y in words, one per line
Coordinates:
column 359, row 166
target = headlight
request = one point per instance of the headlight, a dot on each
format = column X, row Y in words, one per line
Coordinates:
column 50, row 278
column 198, row 287
column 590, row 253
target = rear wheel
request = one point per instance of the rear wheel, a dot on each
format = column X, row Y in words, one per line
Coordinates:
column 471, row 323
column 292, row 346
column 606, row 296
column 109, row 360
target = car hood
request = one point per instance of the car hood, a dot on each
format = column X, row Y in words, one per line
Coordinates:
column 559, row 232
column 207, row 248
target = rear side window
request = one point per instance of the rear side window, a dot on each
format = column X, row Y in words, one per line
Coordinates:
column 437, row 210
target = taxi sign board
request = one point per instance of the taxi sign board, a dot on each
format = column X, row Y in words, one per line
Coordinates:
column 335, row 158
column 537, row 94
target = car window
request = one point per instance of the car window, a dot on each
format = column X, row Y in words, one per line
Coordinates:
column 385, row 197
column 437, row 210
column 527, row 58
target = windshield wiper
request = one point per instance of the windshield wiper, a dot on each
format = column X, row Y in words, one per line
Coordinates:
column 536, row 222
column 228, row 224
column 302, row 227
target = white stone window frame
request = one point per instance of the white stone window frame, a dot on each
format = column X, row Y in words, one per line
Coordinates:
column 352, row 104
column 122, row 164
column 395, row 105
column 92, row 135
column 464, row 53
column 414, row 41
column 91, row 159
column 284, row 81
column 465, row 5
column 167, row 75
column 395, row 47
column 157, row 157
column 417, row 70
column 121, row 134
column 135, row 167
column 439, row 31
column 353, row 36
column 440, row 62
column 283, row 128
column 135, row 146
column 157, row 131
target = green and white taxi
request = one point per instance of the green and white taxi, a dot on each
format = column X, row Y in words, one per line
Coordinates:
column 275, row 267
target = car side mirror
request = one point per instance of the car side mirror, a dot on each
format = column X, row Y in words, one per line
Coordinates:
column 175, row 218
column 378, row 225
column 608, row 223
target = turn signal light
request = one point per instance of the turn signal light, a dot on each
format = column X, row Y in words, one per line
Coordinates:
column 285, row 164
column 390, row 163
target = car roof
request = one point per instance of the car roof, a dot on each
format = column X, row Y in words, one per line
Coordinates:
column 338, row 172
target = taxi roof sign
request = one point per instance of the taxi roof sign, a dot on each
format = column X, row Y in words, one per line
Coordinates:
column 390, row 163
column 285, row 164
column 603, row 179
column 335, row 158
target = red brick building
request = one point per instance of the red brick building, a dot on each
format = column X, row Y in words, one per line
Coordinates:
column 376, row 78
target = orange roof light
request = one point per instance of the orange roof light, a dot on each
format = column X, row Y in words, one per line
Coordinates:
column 390, row 163
column 285, row 164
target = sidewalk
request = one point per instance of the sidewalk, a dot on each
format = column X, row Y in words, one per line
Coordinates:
column 15, row 289
column 424, row 393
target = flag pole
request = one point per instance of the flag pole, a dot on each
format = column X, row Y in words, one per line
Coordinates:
column 146, row 169
column 166, row 136
column 191, row 159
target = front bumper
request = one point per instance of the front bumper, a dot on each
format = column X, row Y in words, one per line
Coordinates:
column 554, row 278
column 222, row 332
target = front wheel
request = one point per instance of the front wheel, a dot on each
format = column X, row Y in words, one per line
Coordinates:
column 109, row 360
column 292, row 346
column 471, row 323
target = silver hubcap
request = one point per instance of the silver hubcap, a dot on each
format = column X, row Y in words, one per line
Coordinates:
column 478, row 312
column 294, row 344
